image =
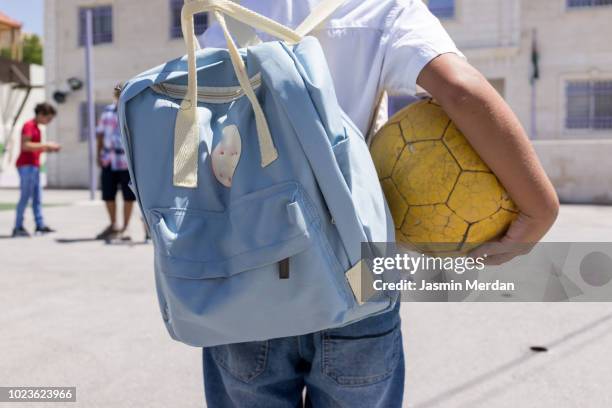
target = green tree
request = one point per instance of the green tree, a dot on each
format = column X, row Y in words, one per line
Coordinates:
column 5, row 52
column 32, row 49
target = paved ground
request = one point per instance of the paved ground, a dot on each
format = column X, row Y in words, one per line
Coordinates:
column 82, row 313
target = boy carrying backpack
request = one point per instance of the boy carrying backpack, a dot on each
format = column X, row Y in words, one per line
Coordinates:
column 258, row 217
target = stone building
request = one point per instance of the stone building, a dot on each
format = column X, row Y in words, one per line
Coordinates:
column 567, row 110
column 10, row 36
column 130, row 36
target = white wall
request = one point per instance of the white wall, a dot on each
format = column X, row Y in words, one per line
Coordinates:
column 496, row 35
column 485, row 23
column 581, row 170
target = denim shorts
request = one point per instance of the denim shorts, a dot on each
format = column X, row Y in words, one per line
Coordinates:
column 359, row 365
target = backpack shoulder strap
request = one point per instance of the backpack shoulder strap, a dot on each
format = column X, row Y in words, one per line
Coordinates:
column 319, row 14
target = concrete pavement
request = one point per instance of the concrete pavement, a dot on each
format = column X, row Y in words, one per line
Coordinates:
column 81, row 313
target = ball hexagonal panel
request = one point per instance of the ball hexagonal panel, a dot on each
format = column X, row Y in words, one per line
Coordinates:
column 507, row 203
column 425, row 173
column 476, row 196
column 423, row 121
column 462, row 151
column 433, row 224
column 489, row 228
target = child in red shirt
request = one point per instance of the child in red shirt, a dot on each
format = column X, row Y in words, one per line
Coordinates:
column 28, row 166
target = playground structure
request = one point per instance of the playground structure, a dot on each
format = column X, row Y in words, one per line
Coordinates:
column 19, row 89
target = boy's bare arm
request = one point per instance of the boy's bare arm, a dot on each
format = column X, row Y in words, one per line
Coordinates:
column 28, row 145
column 99, row 147
column 497, row 135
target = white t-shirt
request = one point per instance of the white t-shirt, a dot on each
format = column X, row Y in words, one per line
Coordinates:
column 371, row 46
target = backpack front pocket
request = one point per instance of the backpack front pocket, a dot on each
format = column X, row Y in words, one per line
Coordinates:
column 256, row 230
column 220, row 273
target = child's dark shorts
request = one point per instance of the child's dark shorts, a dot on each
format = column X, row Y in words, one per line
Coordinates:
column 112, row 180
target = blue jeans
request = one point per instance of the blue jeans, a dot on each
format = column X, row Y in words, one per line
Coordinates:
column 360, row 365
column 29, row 177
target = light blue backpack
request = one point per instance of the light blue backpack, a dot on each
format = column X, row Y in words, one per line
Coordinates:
column 259, row 196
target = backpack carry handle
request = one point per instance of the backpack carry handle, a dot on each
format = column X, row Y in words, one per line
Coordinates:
column 243, row 15
column 186, row 130
column 245, row 35
column 186, row 133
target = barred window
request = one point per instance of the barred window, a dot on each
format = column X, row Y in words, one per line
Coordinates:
column 442, row 8
column 200, row 20
column 588, row 3
column 102, row 19
column 589, row 105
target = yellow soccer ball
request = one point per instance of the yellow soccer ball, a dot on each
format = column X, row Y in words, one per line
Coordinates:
column 443, row 197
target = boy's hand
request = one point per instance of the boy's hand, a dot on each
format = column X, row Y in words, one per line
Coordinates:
column 496, row 134
column 520, row 238
column 53, row 147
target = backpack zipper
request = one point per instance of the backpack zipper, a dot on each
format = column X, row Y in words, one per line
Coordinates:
column 207, row 94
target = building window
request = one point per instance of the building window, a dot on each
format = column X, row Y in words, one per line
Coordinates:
column 102, row 17
column 83, row 120
column 588, row 3
column 589, row 105
column 200, row 20
column 442, row 8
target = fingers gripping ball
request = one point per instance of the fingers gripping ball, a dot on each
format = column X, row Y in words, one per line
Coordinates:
column 442, row 196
